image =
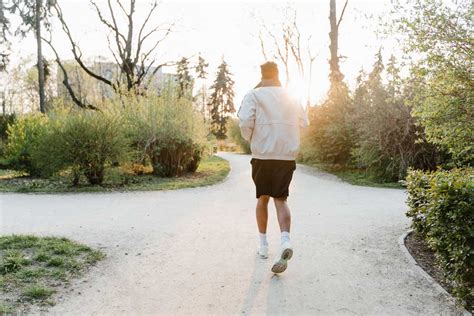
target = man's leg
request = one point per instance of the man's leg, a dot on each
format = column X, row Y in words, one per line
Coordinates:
column 262, row 219
column 284, row 219
column 262, row 213
column 283, row 214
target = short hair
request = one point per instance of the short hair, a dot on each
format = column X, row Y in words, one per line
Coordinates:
column 269, row 70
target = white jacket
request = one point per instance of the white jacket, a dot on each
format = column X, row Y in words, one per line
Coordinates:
column 270, row 120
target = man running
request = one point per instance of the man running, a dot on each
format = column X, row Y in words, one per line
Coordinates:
column 270, row 120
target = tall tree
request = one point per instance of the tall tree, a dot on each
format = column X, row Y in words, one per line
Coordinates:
column 441, row 35
column 133, row 47
column 200, row 99
column 335, row 75
column 201, row 68
column 221, row 101
column 4, row 43
column 185, row 80
column 34, row 15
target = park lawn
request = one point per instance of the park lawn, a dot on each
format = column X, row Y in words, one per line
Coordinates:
column 355, row 176
column 211, row 170
column 33, row 269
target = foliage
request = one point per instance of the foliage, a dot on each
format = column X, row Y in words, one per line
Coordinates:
column 441, row 206
column 201, row 68
column 388, row 139
column 185, row 80
column 166, row 130
column 211, row 170
column 221, row 101
column 441, row 35
column 26, row 11
column 235, row 135
column 6, row 120
column 23, row 139
column 83, row 140
column 329, row 135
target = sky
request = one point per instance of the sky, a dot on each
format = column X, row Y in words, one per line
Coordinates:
column 229, row 30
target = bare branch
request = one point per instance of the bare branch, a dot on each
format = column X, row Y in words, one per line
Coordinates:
column 66, row 83
column 150, row 13
column 262, row 46
column 104, row 21
column 342, row 13
column 76, row 51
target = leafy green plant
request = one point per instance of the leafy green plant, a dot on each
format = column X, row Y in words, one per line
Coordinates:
column 23, row 138
column 83, row 140
column 441, row 35
column 5, row 121
column 37, row 292
column 441, row 206
column 235, row 135
column 168, row 132
column 330, row 134
column 13, row 260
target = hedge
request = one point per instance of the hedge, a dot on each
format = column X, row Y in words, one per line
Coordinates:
column 441, row 205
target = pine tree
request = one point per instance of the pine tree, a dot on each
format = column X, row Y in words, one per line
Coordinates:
column 200, row 100
column 221, row 101
column 393, row 75
column 185, row 81
column 201, row 68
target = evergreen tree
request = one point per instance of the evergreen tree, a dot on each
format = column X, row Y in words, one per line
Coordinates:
column 221, row 101
column 201, row 68
column 185, row 81
column 394, row 79
column 200, row 100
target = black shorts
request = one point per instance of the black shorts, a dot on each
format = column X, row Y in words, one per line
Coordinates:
column 272, row 177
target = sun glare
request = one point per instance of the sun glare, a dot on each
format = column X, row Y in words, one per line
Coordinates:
column 297, row 89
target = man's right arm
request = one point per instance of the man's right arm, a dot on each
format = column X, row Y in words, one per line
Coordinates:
column 247, row 116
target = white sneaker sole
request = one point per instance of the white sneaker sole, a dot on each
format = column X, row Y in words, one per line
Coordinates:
column 281, row 265
column 262, row 255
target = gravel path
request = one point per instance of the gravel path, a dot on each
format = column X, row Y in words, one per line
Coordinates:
column 192, row 251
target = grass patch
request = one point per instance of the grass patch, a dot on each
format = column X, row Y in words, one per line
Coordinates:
column 211, row 170
column 37, row 292
column 355, row 176
column 33, row 268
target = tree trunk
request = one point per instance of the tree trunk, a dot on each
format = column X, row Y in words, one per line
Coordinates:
column 40, row 64
column 335, row 74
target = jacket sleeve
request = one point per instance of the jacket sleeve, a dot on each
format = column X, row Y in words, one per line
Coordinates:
column 247, row 116
column 302, row 117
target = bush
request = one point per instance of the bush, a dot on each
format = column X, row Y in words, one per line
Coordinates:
column 441, row 206
column 235, row 135
column 329, row 135
column 166, row 130
column 83, row 140
column 5, row 120
column 23, row 139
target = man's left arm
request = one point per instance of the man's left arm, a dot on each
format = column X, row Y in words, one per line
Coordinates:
column 247, row 116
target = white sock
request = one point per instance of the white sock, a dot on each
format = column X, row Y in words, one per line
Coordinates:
column 285, row 236
column 263, row 240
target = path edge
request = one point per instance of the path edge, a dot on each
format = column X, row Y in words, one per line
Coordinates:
column 429, row 278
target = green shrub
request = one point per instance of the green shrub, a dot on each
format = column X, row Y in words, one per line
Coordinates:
column 235, row 135
column 168, row 132
column 442, row 208
column 84, row 141
column 5, row 121
column 23, row 138
column 329, row 135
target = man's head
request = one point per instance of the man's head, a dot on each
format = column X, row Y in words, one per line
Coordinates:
column 269, row 70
